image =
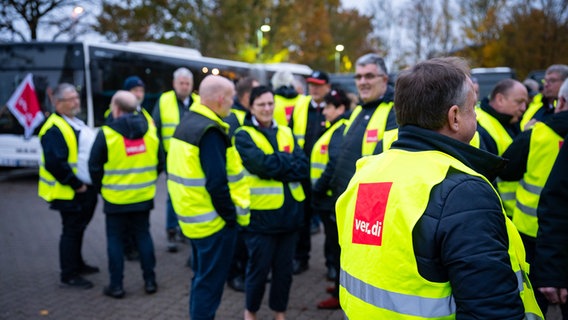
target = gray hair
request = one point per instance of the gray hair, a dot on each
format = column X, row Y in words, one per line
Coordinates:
column 61, row 89
column 563, row 91
column 183, row 72
column 373, row 58
column 561, row 69
column 283, row 78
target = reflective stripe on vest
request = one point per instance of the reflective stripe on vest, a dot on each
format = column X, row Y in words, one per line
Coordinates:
column 269, row 194
column 375, row 236
column 320, row 152
column 375, row 128
column 186, row 184
column 543, row 149
column 397, row 302
column 502, row 139
column 49, row 188
column 130, row 177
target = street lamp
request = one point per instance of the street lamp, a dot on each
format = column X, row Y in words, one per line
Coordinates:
column 78, row 11
column 338, row 49
column 259, row 34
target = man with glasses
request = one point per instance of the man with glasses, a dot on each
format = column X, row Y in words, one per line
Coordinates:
column 61, row 186
column 543, row 104
column 368, row 122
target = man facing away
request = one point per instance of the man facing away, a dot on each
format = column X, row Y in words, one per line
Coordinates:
column 208, row 192
column 412, row 244
column 125, row 162
column 60, row 186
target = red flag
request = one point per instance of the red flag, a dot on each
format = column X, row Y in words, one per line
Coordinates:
column 25, row 107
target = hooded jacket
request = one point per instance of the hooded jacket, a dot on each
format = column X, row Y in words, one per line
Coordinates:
column 130, row 126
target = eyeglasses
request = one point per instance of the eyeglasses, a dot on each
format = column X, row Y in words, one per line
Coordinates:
column 367, row 76
column 550, row 80
column 69, row 99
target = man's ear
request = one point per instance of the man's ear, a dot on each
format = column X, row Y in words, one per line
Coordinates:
column 454, row 118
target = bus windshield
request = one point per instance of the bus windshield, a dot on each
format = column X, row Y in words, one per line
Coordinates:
column 49, row 64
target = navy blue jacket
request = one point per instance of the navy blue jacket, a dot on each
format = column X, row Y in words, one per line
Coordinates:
column 550, row 267
column 55, row 156
column 462, row 237
column 131, row 126
column 281, row 166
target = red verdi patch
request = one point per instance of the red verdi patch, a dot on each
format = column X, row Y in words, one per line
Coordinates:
column 134, row 146
column 372, row 135
column 369, row 216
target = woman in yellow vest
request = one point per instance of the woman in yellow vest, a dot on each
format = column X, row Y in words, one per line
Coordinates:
column 423, row 233
column 326, row 148
column 275, row 165
column 125, row 162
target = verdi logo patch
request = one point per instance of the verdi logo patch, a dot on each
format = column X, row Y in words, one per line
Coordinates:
column 368, row 224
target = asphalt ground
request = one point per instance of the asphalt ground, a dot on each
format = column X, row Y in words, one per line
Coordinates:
column 29, row 268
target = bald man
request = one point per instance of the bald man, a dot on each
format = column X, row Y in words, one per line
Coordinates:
column 124, row 164
column 208, row 192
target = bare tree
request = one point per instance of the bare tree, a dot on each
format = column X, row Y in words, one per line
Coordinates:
column 22, row 19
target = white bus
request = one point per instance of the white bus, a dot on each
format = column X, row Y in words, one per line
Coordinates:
column 98, row 70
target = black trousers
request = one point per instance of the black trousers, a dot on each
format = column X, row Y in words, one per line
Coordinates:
column 74, row 221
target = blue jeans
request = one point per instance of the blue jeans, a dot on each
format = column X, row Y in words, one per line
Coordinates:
column 117, row 226
column 211, row 263
column 171, row 216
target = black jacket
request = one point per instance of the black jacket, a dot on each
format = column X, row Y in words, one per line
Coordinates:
column 518, row 151
column 232, row 119
column 351, row 146
column 280, row 166
column 315, row 126
column 550, row 268
column 487, row 142
column 462, row 237
column 131, row 126
column 320, row 199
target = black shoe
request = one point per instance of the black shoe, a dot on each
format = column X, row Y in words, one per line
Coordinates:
column 150, row 287
column 76, row 282
column 237, row 284
column 331, row 274
column 87, row 269
column 299, row 266
column 172, row 245
column 114, row 292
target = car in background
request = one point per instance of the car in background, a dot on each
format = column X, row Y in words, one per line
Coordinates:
column 488, row 77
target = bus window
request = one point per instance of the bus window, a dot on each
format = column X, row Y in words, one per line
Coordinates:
column 50, row 64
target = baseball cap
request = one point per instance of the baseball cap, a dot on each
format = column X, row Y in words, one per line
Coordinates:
column 133, row 82
column 318, row 77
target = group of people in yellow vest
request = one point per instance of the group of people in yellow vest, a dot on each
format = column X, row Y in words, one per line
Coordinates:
column 415, row 185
